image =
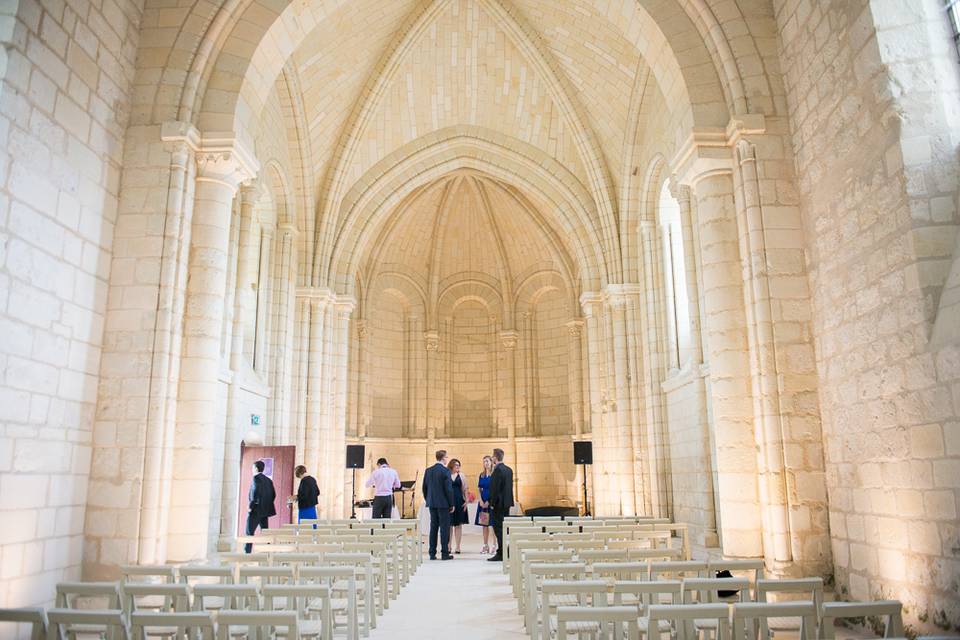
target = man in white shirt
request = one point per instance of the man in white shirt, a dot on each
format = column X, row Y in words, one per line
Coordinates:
column 385, row 480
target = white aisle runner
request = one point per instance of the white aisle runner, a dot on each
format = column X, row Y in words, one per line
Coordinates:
column 463, row 599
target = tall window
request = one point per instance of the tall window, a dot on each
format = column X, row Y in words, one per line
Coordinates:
column 675, row 278
column 953, row 10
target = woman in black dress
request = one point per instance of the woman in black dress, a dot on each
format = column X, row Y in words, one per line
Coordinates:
column 459, row 516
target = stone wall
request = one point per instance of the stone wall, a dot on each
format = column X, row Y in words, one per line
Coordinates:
column 64, row 105
column 872, row 92
column 543, row 467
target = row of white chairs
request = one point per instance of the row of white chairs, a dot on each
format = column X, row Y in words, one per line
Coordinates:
column 56, row 624
column 742, row 620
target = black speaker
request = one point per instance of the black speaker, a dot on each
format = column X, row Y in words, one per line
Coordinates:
column 355, row 456
column 583, row 452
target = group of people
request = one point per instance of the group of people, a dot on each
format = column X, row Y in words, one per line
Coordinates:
column 445, row 495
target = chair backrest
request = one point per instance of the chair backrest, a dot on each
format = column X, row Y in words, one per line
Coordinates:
column 621, row 570
column 681, row 617
column 111, row 620
column 267, row 575
column 749, row 617
column 191, row 624
column 265, row 622
column 107, row 593
column 657, row 555
column 705, row 590
column 147, row 573
column 297, row 597
column 176, row 597
column 34, row 616
column 753, row 569
column 240, row 559
column 648, row 592
column 206, row 573
column 889, row 609
column 235, row 596
column 677, row 569
column 615, row 622
column 806, row 588
column 590, row 556
column 289, row 559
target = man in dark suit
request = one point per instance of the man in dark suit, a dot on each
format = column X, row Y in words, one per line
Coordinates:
column 262, row 496
column 438, row 492
column 501, row 498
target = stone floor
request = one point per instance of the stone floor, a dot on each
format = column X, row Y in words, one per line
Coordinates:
column 467, row 599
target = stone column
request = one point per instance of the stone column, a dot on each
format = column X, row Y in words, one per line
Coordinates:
column 575, row 374
column 234, row 425
column 729, row 368
column 767, row 403
column 623, row 452
column 337, row 365
column 302, row 373
column 606, row 477
column 316, row 316
column 509, row 339
column 220, row 170
column 157, row 459
column 363, row 378
column 434, row 384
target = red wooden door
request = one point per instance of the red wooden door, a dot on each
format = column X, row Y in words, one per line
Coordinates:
column 279, row 464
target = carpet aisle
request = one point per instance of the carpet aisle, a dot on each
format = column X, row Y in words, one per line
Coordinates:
column 465, row 599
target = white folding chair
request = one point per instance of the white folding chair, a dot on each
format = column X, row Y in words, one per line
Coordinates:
column 260, row 624
column 34, row 616
column 682, row 616
column 102, row 596
column 67, row 624
column 179, row 625
column 806, row 588
column 156, row 597
column 566, row 593
column 749, row 617
column 708, row 591
column 311, row 603
column 613, row 622
column 537, row 573
column 889, row 609
column 341, row 581
column 644, row 594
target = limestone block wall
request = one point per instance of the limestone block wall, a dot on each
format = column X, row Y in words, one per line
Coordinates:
column 872, row 93
column 65, row 80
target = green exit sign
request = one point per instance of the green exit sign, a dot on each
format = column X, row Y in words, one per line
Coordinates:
column 254, row 419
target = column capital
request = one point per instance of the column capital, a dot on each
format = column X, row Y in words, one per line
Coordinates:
column 363, row 329
column 707, row 151
column 221, row 157
column 509, row 339
column 344, row 304
column 616, row 295
column 321, row 296
column 432, row 340
column 591, row 302
column 574, row 327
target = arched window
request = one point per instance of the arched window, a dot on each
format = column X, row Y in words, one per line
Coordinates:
column 675, row 282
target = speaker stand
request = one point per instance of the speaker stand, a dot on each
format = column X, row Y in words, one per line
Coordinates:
column 353, row 496
column 586, row 505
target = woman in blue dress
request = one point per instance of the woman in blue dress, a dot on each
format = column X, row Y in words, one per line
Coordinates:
column 483, row 507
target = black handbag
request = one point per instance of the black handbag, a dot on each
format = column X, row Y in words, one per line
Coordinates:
column 726, row 593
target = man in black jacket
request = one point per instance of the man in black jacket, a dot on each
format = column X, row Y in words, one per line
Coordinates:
column 438, row 493
column 262, row 496
column 501, row 498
